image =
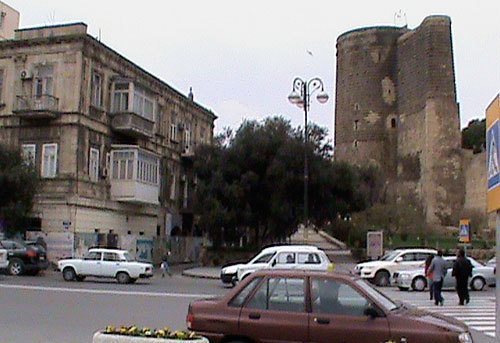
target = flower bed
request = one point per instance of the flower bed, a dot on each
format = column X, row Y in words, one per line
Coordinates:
column 133, row 334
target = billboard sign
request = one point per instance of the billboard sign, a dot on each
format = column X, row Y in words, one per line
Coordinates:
column 374, row 244
column 493, row 154
column 464, row 232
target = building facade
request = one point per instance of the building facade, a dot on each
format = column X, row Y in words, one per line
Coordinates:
column 9, row 21
column 396, row 107
column 112, row 143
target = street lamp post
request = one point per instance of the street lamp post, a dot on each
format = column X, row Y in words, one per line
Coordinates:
column 300, row 96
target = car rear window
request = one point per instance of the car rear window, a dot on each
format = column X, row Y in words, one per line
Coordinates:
column 308, row 258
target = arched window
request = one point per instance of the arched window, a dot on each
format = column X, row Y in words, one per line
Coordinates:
column 393, row 123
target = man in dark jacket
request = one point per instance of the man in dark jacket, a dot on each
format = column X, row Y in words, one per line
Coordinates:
column 462, row 270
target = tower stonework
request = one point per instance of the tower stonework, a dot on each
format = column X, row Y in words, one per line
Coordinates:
column 396, row 108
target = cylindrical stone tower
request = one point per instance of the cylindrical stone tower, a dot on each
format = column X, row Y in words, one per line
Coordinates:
column 366, row 108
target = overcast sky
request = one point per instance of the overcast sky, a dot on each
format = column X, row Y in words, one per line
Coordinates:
column 240, row 57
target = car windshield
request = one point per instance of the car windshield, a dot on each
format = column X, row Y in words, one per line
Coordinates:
column 262, row 258
column 381, row 299
column 389, row 256
column 128, row 257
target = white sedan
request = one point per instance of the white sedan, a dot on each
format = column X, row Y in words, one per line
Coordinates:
column 107, row 263
column 4, row 262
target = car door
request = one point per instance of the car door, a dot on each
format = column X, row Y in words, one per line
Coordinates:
column 110, row 264
column 91, row 264
column 407, row 261
column 449, row 281
column 276, row 312
column 338, row 314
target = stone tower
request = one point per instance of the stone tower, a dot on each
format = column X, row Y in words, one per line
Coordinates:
column 396, row 108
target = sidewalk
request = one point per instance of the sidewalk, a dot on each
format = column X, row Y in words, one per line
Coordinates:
column 203, row 272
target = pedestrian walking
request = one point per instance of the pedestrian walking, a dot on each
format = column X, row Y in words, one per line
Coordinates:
column 438, row 270
column 164, row 266
column 429, row 276
column 462, row 270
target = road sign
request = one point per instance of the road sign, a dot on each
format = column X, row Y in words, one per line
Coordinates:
column 493, row 154
column 464, row 234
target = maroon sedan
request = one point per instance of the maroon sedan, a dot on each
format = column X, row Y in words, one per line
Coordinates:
column 310, row 306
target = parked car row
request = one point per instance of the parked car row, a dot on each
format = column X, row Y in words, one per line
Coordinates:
column 415, row 279
column 22, row 258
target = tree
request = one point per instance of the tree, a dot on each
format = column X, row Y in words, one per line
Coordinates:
column 18, row 185
column 474, row 136
column 254, row 179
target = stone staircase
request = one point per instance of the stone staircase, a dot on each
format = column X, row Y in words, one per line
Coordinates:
column 336, row 251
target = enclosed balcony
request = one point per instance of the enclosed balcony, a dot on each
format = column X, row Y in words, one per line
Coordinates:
column 36, row 107
column 131, row 124
column 134, row 175
column 133, row 109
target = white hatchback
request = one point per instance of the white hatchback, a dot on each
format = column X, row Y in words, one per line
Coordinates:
column 282, row 257
column 108, row 263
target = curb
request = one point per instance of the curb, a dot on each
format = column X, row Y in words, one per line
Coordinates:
column 199, row 276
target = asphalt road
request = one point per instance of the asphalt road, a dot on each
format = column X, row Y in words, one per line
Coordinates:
column 47, row 309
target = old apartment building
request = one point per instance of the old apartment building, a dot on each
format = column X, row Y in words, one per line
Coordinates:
column 112, row 143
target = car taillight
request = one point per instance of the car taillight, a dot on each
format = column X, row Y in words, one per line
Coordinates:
column 190, row 319
column 31, row 253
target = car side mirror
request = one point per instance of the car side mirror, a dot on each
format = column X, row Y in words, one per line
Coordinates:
column 399, row 259
column 371, row 312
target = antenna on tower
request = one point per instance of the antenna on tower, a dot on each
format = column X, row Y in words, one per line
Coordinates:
column 400, row 19
column 51, row 18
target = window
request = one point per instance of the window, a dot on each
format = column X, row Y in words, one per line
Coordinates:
column 286, row 258
column 308, row 258
column 280, row 294
column 49, row 160
column 1, row 83
column 44, row 81
column 93, row 256
column 173, row 132
column 241, row 297
column 147, row 170
column 143, row 103
column 335, row 297
column 393, row 123
column 173, row 187
column 123, row 165
column 187, row 140
column 409, row 257
column 356, row 125
column 96, row 90
column 134, row 164
column 110, row 256
column 94, row 164
column 264, row 258
column 29, row 154
column 120, row 97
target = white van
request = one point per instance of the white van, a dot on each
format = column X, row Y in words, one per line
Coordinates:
column 282, row 257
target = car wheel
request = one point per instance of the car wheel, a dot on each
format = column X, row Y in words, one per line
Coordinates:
column 477, row 284
column 403, row 288
column 80, row 278
column 122, row 278
column 69, row 274
column 418, row 284
column 16, row 267
column 382, row 278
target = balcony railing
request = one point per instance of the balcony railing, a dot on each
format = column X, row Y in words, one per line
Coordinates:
column 36, row 107
column 132, row 124
column 133, row 191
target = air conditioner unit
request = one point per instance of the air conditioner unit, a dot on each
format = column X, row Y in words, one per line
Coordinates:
column 26, row 74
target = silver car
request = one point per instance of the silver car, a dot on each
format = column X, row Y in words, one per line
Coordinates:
column 415, row 279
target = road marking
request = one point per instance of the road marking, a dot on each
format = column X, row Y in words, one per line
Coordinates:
column 103, row 291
